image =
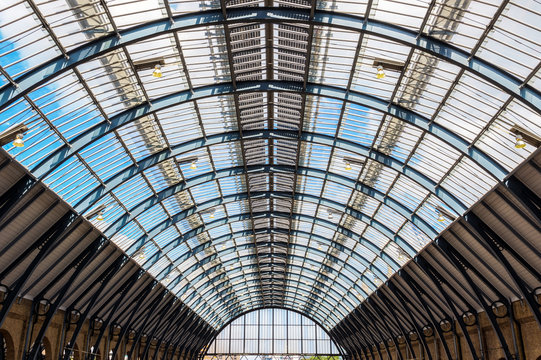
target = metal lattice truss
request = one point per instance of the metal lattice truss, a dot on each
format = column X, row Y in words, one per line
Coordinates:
column 225, row 178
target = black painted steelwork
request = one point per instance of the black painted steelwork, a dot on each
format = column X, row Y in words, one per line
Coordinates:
column 43, row 243
column 497, row 244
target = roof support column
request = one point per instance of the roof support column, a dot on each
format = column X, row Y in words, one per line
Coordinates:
column 79, row 264
column 62, row 227
column 527, row 197
column 496, row 243
column 123, row 290
column 435, row 325
column 418, row 329
column 437, row 281
column 125, row 328
column 463, row 265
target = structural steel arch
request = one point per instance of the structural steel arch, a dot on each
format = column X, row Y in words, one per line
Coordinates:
column 485, row 70
column 386, row 232
column 122, row 176
column 139, row 207
column 94, row 133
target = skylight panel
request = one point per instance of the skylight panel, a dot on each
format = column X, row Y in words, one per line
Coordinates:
column 179, row 123
column 27, row 43
column 127, row 13
column 513, row 43
column 422, row 159
column 409, row 14
column 152, row 217
column 468, row 182
column 72, row 180
column 360, row 124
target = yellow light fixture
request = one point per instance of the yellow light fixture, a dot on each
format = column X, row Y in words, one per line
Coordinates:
column 157, row 71
column 380, row 74
column 441, row 218
column 212, row 214
column 193, row 166
column 100, row 216
column 141, row 255
column 520, row 144
column 18, row 142
column 348, row 166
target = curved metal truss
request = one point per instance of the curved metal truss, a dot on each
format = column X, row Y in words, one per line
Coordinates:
column 263, row 164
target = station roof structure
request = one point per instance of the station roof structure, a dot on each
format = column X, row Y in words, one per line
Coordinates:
column 297, row 154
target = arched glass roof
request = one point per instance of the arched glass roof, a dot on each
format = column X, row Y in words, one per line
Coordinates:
column 225, row 177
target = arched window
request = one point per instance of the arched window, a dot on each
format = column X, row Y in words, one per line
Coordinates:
column 3, row 348
column 45, row 350
column 7, row 349
column 272, row 332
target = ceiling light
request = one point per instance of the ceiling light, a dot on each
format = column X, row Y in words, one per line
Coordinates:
column 444, row 214
column 524, row 137
column 319, row 247
column 401, row 255
column 13, row 134
column 349, row 161
column 18, row 142
column 192, row 160
column 441, row 218
column 519, row 144
column 330, row 216
column 157, row 71
column 380, row 74
column 388, row 65
column 141, row 254
column 97, row 212
column 212, row 213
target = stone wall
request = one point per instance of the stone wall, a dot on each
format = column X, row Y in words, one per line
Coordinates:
column 15, row 330
column 524, row 341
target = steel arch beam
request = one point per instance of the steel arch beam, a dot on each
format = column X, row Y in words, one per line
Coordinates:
column 247, row 246
column 299, row 233
column 234, row 276
column 387, row 200
column 310, row 261
column 303, row 247
column 162, row 226
column 95, row 196
column 83, row 140
column 232, row 307
column 110, row 184
column 49, row 70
